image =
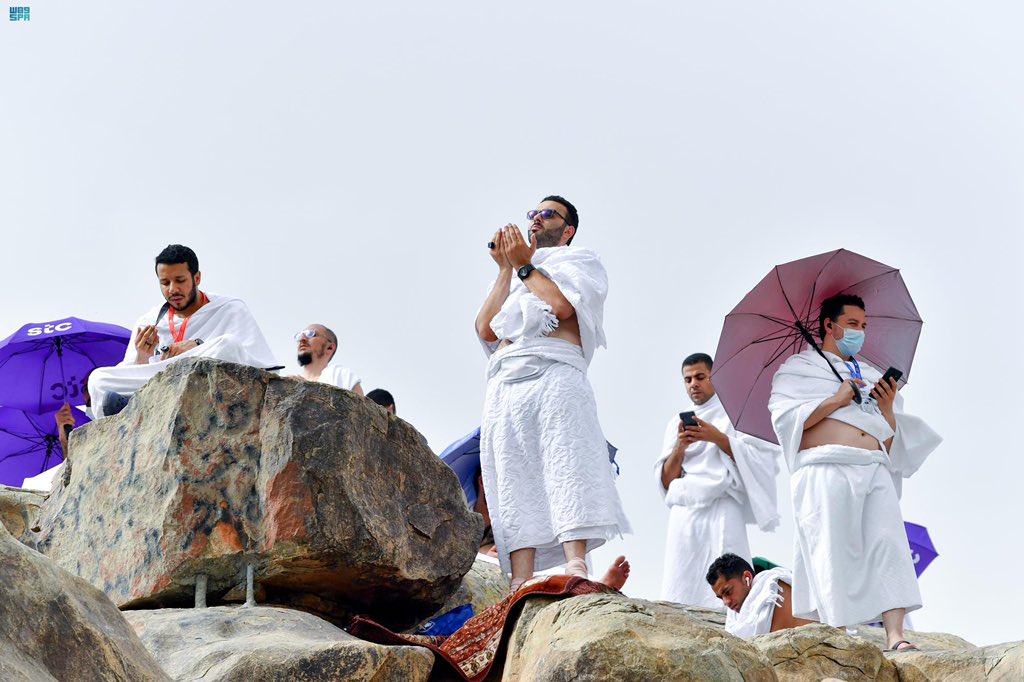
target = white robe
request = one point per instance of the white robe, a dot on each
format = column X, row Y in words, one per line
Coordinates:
column 758, row 609
column 542, row 452
column 339, row 376
column 710, row 506
column 227, row 328
column 851, row 559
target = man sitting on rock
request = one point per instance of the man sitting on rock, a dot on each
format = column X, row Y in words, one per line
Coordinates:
column 758, row 604
column 189, row 324
column 316, row 348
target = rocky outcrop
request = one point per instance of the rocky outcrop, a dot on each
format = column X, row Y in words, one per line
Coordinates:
column 813, row 652
column 610, row 637
column 1000, row 663
column 54, row 626
column 250, row 644
column 213, row 466
column 19, row 512
column 484, row 586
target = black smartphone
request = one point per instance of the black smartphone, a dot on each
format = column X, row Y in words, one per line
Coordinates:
column 688, row 418
column 892, row 373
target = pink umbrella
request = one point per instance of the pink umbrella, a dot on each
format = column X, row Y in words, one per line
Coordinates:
column 779, row 317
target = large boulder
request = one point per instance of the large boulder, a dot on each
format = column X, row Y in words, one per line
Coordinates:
column 605, row 637
column 19, row 512
column 998, row 663
column 54, row 626
column 484, row 586
column 812, row 652
column 214, row 466
column 259, row 644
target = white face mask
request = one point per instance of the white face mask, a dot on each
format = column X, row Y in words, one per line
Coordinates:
column 851, row 343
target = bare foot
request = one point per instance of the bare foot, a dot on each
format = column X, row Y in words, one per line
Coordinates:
column 617, row 574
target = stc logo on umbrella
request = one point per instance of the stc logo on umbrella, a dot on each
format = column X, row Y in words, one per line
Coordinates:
column 49, row 329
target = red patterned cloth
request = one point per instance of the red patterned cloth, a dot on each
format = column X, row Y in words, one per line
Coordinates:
column 472, row 650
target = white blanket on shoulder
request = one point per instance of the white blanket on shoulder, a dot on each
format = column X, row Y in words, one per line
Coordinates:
column 805, row 380
column 580, row 277
column 758, row 609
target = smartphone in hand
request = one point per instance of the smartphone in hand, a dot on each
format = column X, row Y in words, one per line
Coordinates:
column 891, row 373
column 688, row 418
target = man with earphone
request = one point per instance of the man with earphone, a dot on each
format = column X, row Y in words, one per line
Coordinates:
column 757, row 604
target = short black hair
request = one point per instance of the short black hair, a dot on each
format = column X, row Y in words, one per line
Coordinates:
column 832, row 308
column 728, row 566
column 176, row 253
column 571, row 216
column 381, row 397
column 697, row 358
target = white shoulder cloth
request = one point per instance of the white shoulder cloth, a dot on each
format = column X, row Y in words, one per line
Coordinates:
column 580, row 277
column 804, row 381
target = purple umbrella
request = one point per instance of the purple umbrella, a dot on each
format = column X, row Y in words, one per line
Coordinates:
column 29, row 444
column 779, row 317
column 921, row 548
column 43, row 365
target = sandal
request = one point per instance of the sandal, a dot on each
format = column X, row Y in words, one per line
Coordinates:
column 897, row 648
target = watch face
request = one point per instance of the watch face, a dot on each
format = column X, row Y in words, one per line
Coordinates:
column 525, row 271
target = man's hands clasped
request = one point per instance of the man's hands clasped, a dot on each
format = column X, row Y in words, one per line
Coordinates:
column 511, row 251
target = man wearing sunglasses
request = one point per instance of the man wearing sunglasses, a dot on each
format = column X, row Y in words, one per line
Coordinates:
column 548, row 482
column 316, row 348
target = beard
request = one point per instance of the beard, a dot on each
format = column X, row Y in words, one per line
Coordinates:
column 305, row 358
column 188, row 301
column 546, row 238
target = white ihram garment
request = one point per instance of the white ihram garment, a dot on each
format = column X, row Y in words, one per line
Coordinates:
column 542, row 452
column 711, row 505
column 339, row 376
column 851, row 557
column 755, row 616
column 227, row 328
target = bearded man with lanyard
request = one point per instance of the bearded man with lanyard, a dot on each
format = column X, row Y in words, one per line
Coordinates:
column 189, row 323
column 846, row 460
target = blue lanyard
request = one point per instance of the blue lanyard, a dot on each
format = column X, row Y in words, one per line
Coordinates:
column 855, row 370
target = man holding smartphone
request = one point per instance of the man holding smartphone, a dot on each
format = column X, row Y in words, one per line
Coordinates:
column 549, row 485
column 715, row 481
column 846, row 460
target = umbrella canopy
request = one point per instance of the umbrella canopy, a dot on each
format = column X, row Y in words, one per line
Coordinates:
column 921, row 548
column 45, row 364
column 463, row 456
column 779, row 317
column 29, row 444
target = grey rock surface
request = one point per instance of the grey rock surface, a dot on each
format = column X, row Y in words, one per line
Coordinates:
column 213, row 466
column 54, row 626
column 264, row 644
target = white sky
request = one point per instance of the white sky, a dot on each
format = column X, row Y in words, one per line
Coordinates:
column 346, row 164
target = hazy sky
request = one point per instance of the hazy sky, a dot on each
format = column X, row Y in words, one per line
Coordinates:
column 346, row 164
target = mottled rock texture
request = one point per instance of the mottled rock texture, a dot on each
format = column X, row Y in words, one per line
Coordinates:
column 54, row 626
column 484, row 586
column 999, row 663
column 814, row 652
column 260, row 644
column 609, row 637
column 213, row 466
column 19, row 512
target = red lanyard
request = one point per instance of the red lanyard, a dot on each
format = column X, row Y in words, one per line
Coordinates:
column 184, row 325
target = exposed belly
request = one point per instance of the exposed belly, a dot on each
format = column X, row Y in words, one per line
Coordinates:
column 834, row 432
column 567, row 330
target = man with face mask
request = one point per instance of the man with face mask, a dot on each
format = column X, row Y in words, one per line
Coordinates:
column 714, row 481
column 846, row 460
column 190, row 323
column 550, row 488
